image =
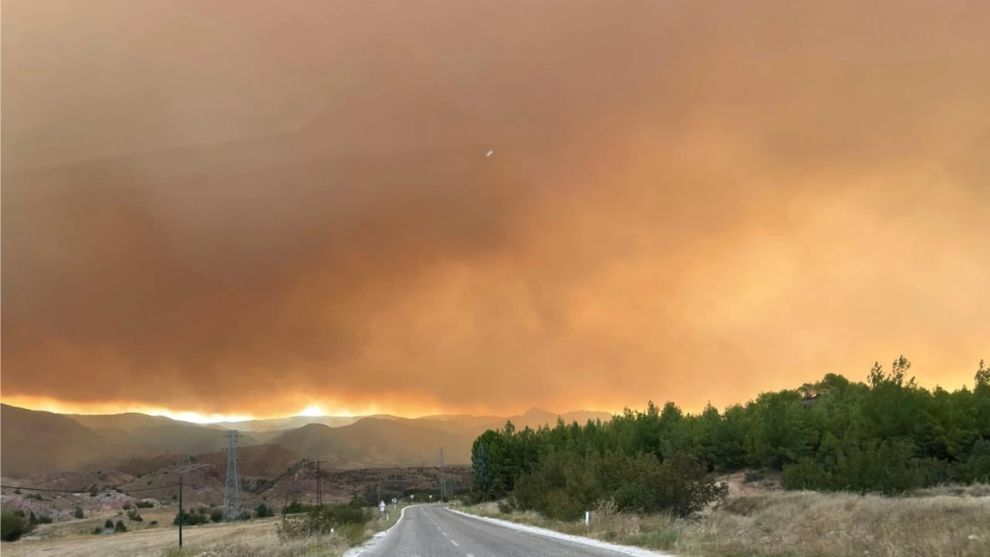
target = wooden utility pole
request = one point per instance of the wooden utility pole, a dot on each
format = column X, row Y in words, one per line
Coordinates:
column 443, row 478
column 285, row 501
column 181, row 518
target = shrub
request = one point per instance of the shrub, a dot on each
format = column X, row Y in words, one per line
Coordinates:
column 320, row 523
column 108, row 524
column 566, row 484
column 322, row 520
column 296, row 507
column 97, row 531
column 78, row 513
column 263, row 511
column 353, row 533
column 216, row 515
column 126, row 506
column 190, row 519
column 153, row 523
column 144, row 504
column 13, row 525
column 133, row 516
column 119, row 527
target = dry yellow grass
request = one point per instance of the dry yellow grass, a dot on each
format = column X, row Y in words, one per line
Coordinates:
column 801, row 524
column 254, row 538
column 323, row 546
column 150, row 542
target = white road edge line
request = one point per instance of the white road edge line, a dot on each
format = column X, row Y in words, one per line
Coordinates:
column 355, row 551
column 623, row 549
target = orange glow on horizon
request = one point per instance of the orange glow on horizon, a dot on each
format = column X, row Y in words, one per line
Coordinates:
column 47, row 404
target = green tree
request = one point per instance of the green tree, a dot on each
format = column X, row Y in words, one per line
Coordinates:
column 484, row 479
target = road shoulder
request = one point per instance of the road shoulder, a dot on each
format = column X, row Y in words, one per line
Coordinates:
column 632, row 551
column 377, row 537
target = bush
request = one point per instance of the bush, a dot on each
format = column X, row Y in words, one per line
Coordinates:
column 153, row 523
column 78, row 513
column 108, row 524
column 296, row 507
column 216, row 515
column 263, row 511
column 885, row 467
column 353, row 533
column 97, row 531
column 348, row 525
column 322, row 520
column 126, row 506
column 566, row 485
column 119, row 527
column 133, row 516
column 189, row 519
column 13, row 525
column 144, row 504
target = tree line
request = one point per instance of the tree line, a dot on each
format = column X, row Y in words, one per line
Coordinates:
column 885, row 435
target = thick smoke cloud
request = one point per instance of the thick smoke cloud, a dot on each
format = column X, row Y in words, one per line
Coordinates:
column 248, row 209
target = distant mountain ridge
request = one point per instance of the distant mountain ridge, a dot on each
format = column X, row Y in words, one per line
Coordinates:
column 41, row 442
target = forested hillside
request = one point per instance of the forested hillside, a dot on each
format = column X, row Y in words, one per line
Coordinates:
column 886, row 435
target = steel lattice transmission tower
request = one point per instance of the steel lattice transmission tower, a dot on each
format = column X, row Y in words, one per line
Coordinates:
column 232, row 503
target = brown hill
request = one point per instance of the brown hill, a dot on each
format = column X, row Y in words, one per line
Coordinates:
column 38, row 442
column 128, row 421
column 377, row 442
column 291, row 422
column 258, row 460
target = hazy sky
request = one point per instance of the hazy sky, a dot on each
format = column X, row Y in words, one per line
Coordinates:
column 252, row 207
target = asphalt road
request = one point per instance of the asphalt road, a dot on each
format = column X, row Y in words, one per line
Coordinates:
column 432, row 531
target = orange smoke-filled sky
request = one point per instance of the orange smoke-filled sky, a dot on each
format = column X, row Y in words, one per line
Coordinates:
column 250, row 208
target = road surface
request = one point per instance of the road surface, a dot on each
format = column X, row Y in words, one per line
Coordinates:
column 432, row 531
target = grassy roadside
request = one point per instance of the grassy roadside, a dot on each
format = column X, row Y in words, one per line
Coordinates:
column 935, row 523
column 256, row 537
column 282, row 541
